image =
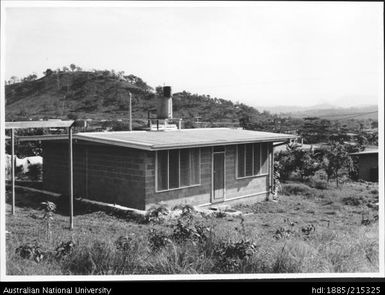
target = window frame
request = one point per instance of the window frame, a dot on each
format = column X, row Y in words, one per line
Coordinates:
column 253, row 162
column 168, row 171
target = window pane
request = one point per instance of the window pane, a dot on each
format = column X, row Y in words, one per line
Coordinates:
column 194, row 166
column 249, row 159
column 173, row 168
column 184, row 167
column 257, row 158
column 162, row 170
column 241, row 160
column 264, row 161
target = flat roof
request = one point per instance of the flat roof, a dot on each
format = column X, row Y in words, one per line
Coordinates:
column 185, row 138
column 374, row 151
column 173, row 139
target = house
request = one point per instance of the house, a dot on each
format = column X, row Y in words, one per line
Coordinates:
column 138, row 169
column 367, row 165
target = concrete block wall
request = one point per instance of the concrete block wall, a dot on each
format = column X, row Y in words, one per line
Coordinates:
column 127, row 176
column 194, row 195
column 102, row 173
column 245, row 186
column 199, row 195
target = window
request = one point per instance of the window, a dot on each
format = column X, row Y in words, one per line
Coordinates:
column 177, row 168
column 252, row 159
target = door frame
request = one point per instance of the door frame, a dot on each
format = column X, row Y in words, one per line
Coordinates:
column 212, row 175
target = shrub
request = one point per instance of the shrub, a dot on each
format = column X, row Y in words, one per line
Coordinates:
column 318, row 181
column 157, row 240
column 64, row 249
column 96, row 259
column 157, row 214
column 184, row 230
column 230, row 256
column 31, row 251
column 283, row 233
column 34, row 172
column 297, row 189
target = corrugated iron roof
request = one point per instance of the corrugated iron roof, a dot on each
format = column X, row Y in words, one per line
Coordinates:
column 39, row 124
column 185, row 138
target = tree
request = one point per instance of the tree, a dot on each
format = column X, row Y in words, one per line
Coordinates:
column 73, row 67
column 315, row 130
column 336, row 158
column 48, row 72
column 13, row 80
column 31, row 77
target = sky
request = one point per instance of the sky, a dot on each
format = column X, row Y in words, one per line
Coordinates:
column 261, row 54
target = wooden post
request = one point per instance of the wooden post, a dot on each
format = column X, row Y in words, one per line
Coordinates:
column 130, row 114
column 13, row 169
column 71, row 187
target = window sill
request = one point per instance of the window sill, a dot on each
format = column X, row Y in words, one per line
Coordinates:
column 177, row 188
column 252, row 176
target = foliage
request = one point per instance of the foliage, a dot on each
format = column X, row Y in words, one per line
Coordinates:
column 64, row 249
column 31, row 251
column 35, row 171
column 296, row 160
column 229, row 255
column 296, row 234
column 158, row 239
column 335, row 159
column 185, row 229
column 157, row 214
column 49, row 208
column 297, row 189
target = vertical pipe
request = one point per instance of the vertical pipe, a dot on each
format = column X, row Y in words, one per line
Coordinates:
column 13, row 169
column 70, row 164
column 130, row 114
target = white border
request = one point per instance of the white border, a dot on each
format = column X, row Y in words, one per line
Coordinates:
column 4, row 277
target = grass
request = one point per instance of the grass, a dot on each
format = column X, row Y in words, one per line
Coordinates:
column 307, row 230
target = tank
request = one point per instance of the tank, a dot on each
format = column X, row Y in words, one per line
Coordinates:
column 164, row 110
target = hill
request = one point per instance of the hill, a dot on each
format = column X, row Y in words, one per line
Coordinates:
column 326, row 111
column 103, row 95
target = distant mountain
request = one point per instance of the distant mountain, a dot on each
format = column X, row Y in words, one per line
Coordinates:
column 325, row 111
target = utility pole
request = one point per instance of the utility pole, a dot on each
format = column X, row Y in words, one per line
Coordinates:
column 13, row 169
column 130, row 111
column 71, row 186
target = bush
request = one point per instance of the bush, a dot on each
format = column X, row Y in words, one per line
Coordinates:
column 31, row 251
column 92, row 260
column 231, row 256
column 184, row 230
column 157, row 214
column 318, row 181
column 34, row 172
column 297, row 189
column 157, row 240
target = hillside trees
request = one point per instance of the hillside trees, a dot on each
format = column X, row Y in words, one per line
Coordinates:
column 336, row 158
column 315, row 130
